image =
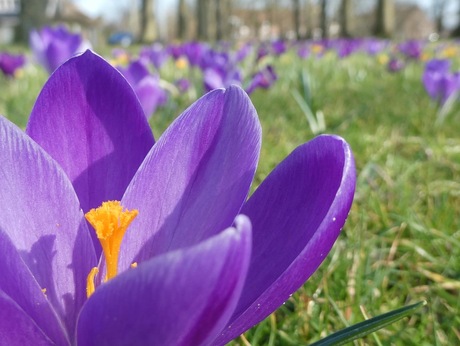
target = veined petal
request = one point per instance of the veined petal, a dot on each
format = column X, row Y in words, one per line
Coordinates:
column 195, row 179
column 19, row 284
column 16, row 327
column 89, row 120
column 297, row 214
column 41, row 215
column 184, row 297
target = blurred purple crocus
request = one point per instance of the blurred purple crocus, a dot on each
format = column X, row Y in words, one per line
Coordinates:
column 303, row 50
column 54, row 45
column 156, row 54
column 278, row 47
column 262, row 79
column 214, row 78
column 183, row 84
column 395, row 65
column 262, row 51
column 412, row 49
column 10, row 63
column 210, row 262
column 194, row 52
column 220, row 70
column 146, row 86
column 373, row 46
column 245, row 50
column 439, row 82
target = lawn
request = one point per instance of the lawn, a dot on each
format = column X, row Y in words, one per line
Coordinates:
column 401, row 243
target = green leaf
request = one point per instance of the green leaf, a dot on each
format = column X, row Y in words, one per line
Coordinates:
column 369, row 326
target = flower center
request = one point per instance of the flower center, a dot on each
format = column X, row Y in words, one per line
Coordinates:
column 110, row 222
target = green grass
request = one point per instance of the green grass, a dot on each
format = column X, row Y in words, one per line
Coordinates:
column 401, row 243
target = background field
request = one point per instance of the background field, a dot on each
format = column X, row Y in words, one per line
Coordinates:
column 401, row 243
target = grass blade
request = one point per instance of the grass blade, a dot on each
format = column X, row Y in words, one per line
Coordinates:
column 369, row 326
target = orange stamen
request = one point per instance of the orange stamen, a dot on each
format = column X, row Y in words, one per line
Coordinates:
column 110, row 222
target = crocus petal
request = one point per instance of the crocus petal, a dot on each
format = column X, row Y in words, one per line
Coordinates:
column 184, row 297
column 42, row 217
column 196, row 177
column 18, row 283
column 150, row 95
column 297, row 214
column 53, row 46
column 16, row 327
column 88, row 119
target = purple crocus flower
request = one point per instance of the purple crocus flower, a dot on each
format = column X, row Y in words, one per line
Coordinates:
column 441, row 66
column 194, row 52
column 303, row 51
column 175, row 50
column 52, row 46
column 412, row 49
column 156, row 54
column 205, row 273
column 244, row 51
column 262, row 79
column 395, row 65
column 220, row 70
column 146, row 86
column 262, row 51
column 10, row 63
column 214, row 78
column 373, row 46
column 278, row 47
column 439, row 82
column 183, row 84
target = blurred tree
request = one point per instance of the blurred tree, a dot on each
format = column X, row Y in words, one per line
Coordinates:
column 385, row 18
column 456, row 31
column 228, row 22
column 346, row 9
column 438, row 13
column 296, row 18
column 33, row 15
column 148, row 28
column 220, row 22
column 182, row 20
column 202, row 15
column 309, row 19
column 323, row 20
column 270, row 8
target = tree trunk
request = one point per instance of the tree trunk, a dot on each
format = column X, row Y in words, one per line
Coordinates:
column 384, row 26
column 309, row 15
column 345, row 18
column 219, row 20
column 228, row 23
column 32, row 15
column 456, row 31
column 438, row 11
column 296, row 18
column 323, row 19
column 181, row 20
column 202, row 17
column 148, row 29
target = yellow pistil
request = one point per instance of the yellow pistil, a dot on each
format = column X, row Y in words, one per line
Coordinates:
column 90, row 288
column 110, row 222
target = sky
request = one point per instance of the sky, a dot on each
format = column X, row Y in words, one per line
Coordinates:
column 110, row 9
